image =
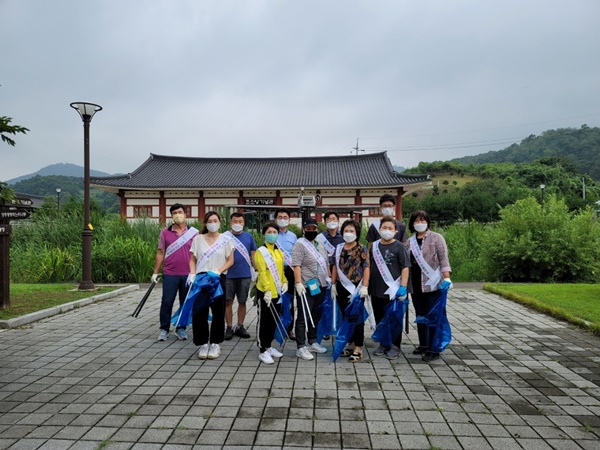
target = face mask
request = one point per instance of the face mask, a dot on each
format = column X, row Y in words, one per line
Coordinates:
column 420, row 227
column 178, row 218
column 332, row 225
column 349, row 237
column 283, row 223
column 271, row 238
column 387, row 234
column 213, row 227
column 311, row 235
column 387, row 211
column 237, row 227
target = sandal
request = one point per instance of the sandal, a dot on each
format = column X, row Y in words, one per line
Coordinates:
column 347, row 351
column 355, row 357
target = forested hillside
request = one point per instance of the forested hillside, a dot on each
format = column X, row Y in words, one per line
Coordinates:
column 579, row 146
column 487, row 187
column 71, row 189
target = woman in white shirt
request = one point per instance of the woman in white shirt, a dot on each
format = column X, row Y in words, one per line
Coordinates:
column 210, row 252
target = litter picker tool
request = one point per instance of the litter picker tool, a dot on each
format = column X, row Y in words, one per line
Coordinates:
column 142, row 302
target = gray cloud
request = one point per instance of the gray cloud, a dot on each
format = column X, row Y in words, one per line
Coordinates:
column 277, row 78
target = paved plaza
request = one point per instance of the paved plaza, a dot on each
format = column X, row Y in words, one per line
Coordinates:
column 97, row 378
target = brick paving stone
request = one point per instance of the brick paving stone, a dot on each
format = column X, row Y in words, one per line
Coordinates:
column 512, row 378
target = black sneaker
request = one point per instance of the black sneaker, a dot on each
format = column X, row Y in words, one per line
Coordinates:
column 326, row 337
column 419, row 350
column 430, row 356
column 241, row 332
column 228, row 333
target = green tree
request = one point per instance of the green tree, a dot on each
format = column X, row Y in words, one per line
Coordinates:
column 7, row 128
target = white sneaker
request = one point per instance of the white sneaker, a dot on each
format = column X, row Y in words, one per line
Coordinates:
column 317, row 348
column 304, row 353
column 265, row 357
column 214, row 351
column 274, row 352
column 203, row 352
column 163, row 335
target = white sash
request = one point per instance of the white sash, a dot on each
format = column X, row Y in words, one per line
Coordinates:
column 328, row 246
column 393, row 285
column 270, row 262
column 313, row 251
column 240, row 247
column 433, row 276
column 286, row 256
column 180, row 242
column 348, row 285
column 219, row 244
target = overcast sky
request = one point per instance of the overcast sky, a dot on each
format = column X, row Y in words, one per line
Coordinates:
column 424, row 80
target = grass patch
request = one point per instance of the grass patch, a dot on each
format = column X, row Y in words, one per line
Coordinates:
column 575, row 303
column 28, row 298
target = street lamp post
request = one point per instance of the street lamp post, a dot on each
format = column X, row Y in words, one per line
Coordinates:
column 86, row 111
column 542, row 187
column 58, row 190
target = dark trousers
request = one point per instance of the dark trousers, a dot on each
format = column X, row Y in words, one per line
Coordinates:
column 423, row 301
column 266, row 326
column 343, row 300
column 215, row 333
column 305, row 331
column 379, row 311
column 171, row 286
column 289, row 276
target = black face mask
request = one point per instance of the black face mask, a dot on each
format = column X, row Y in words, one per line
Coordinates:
column 311, row 235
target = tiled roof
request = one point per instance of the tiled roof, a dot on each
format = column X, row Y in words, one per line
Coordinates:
column 176, row 172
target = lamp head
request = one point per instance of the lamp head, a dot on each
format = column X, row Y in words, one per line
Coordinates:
column 58, row 190
column 86, row 110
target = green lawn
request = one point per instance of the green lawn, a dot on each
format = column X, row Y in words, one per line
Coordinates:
column 28, row 298
column 578, row 304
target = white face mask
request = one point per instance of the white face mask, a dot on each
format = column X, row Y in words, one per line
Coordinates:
column 178, row 218
column 420, row 227
column 237, row 227
column 213, row 227
column 332, row 225
column 283, row 223
column 349, row 237
column 387, row 234
column 387, row 211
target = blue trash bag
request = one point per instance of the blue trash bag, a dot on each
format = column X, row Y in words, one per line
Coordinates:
column 390, row 326
column 354, row 315
column 286, row 318
column 204, row 290
column 327, row 326
column 438, row 319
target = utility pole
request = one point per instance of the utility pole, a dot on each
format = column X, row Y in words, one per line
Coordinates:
column 356, row 148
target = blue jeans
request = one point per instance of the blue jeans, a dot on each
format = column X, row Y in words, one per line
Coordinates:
column 171, row 285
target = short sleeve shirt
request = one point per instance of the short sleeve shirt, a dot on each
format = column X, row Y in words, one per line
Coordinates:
column 240, row 268
column 396, row 258
column 178, row 263
column 200, row 246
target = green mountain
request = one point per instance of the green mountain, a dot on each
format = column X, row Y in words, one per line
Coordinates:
column 65, row 169
column 579, row 147
column 71, row 189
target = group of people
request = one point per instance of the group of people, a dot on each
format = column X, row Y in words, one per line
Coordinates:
column 390, row 267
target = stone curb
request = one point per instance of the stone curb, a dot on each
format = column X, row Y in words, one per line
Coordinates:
column 45, row 313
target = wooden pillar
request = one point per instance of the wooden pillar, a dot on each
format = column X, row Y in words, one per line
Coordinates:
column 278, row 200
column 201, row 206
column 240, row 201
column 162, row 208
column 121, row 195
column 399, row 203
column 357, row 201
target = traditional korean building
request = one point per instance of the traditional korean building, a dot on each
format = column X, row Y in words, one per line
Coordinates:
column 346, row 183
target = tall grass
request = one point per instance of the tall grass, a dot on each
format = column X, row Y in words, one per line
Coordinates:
column 49, row 250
